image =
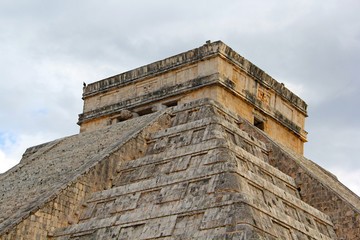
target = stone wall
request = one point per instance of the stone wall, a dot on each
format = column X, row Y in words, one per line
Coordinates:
column 203, row 178
column 196, row 170
column 316, row 186
column 242, row 88
column 324, row 193
column 187, row 58
column 57, row 181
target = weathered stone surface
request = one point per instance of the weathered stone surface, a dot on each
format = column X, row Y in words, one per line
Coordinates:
column 53, row 179
column 213, row 70
column 191, row 170
column 205, row 177
column 212, row 184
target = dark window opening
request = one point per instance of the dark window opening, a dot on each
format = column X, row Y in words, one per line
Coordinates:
column 171, row 104
column 259, row 124
column 120, row 119
column 145, row 112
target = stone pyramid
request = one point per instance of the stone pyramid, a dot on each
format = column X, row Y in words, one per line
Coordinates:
column 201, row 145
column 203, row 177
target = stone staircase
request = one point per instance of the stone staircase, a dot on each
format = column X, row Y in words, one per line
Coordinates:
column 201, row 178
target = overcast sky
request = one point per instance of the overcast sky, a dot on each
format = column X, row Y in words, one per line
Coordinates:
column 49, row 48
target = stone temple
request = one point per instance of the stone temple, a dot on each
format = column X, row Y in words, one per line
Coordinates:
column 200, row 145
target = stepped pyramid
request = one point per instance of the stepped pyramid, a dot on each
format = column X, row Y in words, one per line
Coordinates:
column 201, row 145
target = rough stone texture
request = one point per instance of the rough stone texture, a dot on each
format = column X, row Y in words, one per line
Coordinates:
column 316, row 186
column 47, row 188
column 195, row 171
column 191, row 170
column 202, row 178
column 186, row 58
column 213, row 70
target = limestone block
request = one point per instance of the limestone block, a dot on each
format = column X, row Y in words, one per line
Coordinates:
column 160, row 227
column 126, row 202
column 88, row 212
column 190, row 223
column 218, row 156
column 197, row 135
column 226, row 215
column 214, row 131
column 179, row 164
column 127, row 177
column 131, row 232
column 149, row 198
column 225, row 182
column 160, row 145
column 109, row 233
column 173, row 192
column 198, row 188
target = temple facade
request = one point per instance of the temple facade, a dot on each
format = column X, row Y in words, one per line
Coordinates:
column 214, row 71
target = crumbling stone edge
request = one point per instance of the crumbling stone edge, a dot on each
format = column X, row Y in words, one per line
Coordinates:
column 6, row 225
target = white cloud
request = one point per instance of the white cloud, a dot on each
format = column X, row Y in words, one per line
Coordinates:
column 349, row 177
column 293, row 86
column 6, row 162
column 14, row 146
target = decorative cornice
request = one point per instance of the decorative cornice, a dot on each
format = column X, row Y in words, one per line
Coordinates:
column 208, row 50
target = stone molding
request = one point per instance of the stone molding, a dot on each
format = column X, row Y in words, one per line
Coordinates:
column 206, row 51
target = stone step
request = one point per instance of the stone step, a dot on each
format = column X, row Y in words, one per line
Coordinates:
column 212, row 174
column 206, row 175
column 204, row 130
column 214, row 209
